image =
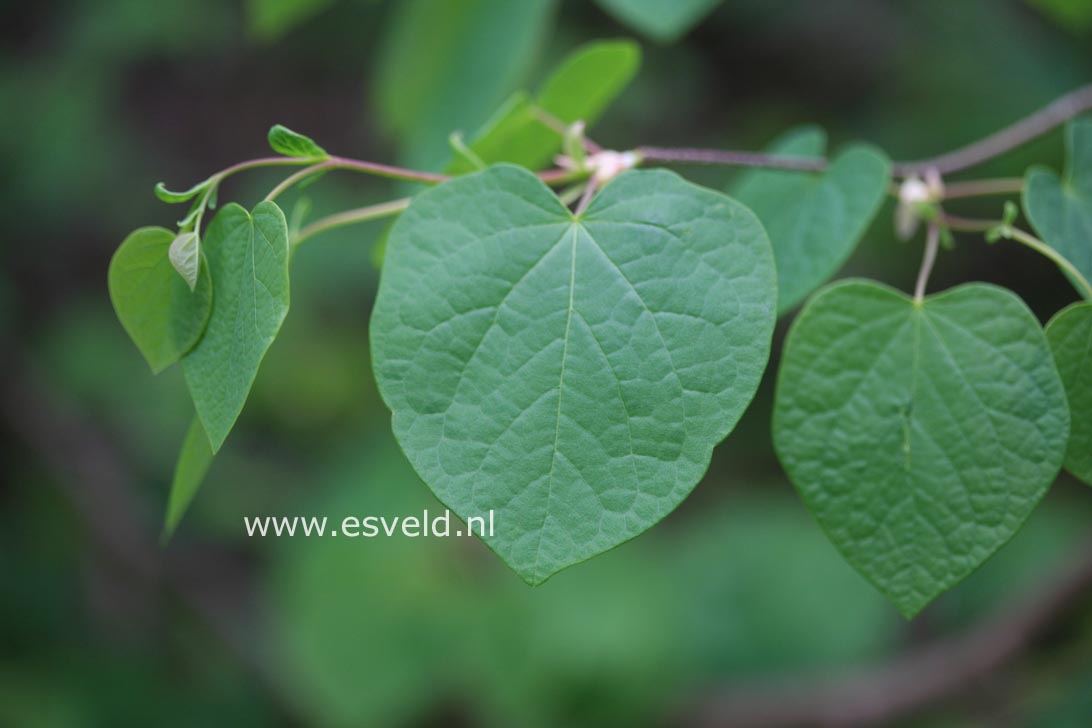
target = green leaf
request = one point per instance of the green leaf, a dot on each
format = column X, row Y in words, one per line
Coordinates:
column 580, row 89
column 589, row 79
column 570, row 374
column 662, row 21
column 168, row 196
column 293, row 144
column 185, row 255
column 921, row 436
column 1070, row 337
column 814, row 219
column 1060, row 209
column 446, row 65
column 156, row 307
column 247, row 256
column 193, row 462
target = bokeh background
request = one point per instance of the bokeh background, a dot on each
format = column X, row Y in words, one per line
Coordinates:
column 735, row 603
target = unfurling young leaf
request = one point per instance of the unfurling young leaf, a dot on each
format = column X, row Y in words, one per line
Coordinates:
column 814, row 219
column 570, row 374
column 247, row 256
column 921, row 436
column 185, row 255
column 1060, row 208
column 170, row 197
column 193, row 462
column 1070, row 337
column 293, row 144
column 162, row 316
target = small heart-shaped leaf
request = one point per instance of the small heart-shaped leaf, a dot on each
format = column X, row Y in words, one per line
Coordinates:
column 921, row 436
column 162, row 316
column 1060, row 208
column 814, row 219
column 1070, row 337
column 572, row 375
column 247, row 255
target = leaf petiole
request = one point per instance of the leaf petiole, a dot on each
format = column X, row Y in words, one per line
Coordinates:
column 350, row 217
column 1010, row 232
column 932, row 243
column 995, row 230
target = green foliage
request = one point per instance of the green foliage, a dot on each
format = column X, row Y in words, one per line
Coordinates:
column 1070, row 337
column 572, row 371
column 662, row 21
column 814, row 219
column 611, row 352
column 162, row 316
column 579, row 89
column 920, row 435
column 477, row 52
column 589, row 79
column 1060, row 208
column 248, row 258
column 283, row 140
column 193, row 462
column 738, row 587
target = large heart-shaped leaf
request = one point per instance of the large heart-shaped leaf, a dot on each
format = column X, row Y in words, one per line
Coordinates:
column 814, row 219
column 248, row 258
column 570, row 374
column 156, row 307
column 920, row 435
column 1060, row 208
column 1070, row 337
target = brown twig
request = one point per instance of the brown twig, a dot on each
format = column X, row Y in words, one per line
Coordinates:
column 1053, row 114
column 982, row 187
column 732, row 158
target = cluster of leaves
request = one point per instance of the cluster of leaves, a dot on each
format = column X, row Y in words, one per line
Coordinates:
column 213, row 301
column 572, row 370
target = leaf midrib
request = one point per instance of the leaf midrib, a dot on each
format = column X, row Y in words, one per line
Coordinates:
column 577, row 227
column 560, row 395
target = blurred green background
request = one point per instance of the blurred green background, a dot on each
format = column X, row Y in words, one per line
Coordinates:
column 735, row 592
